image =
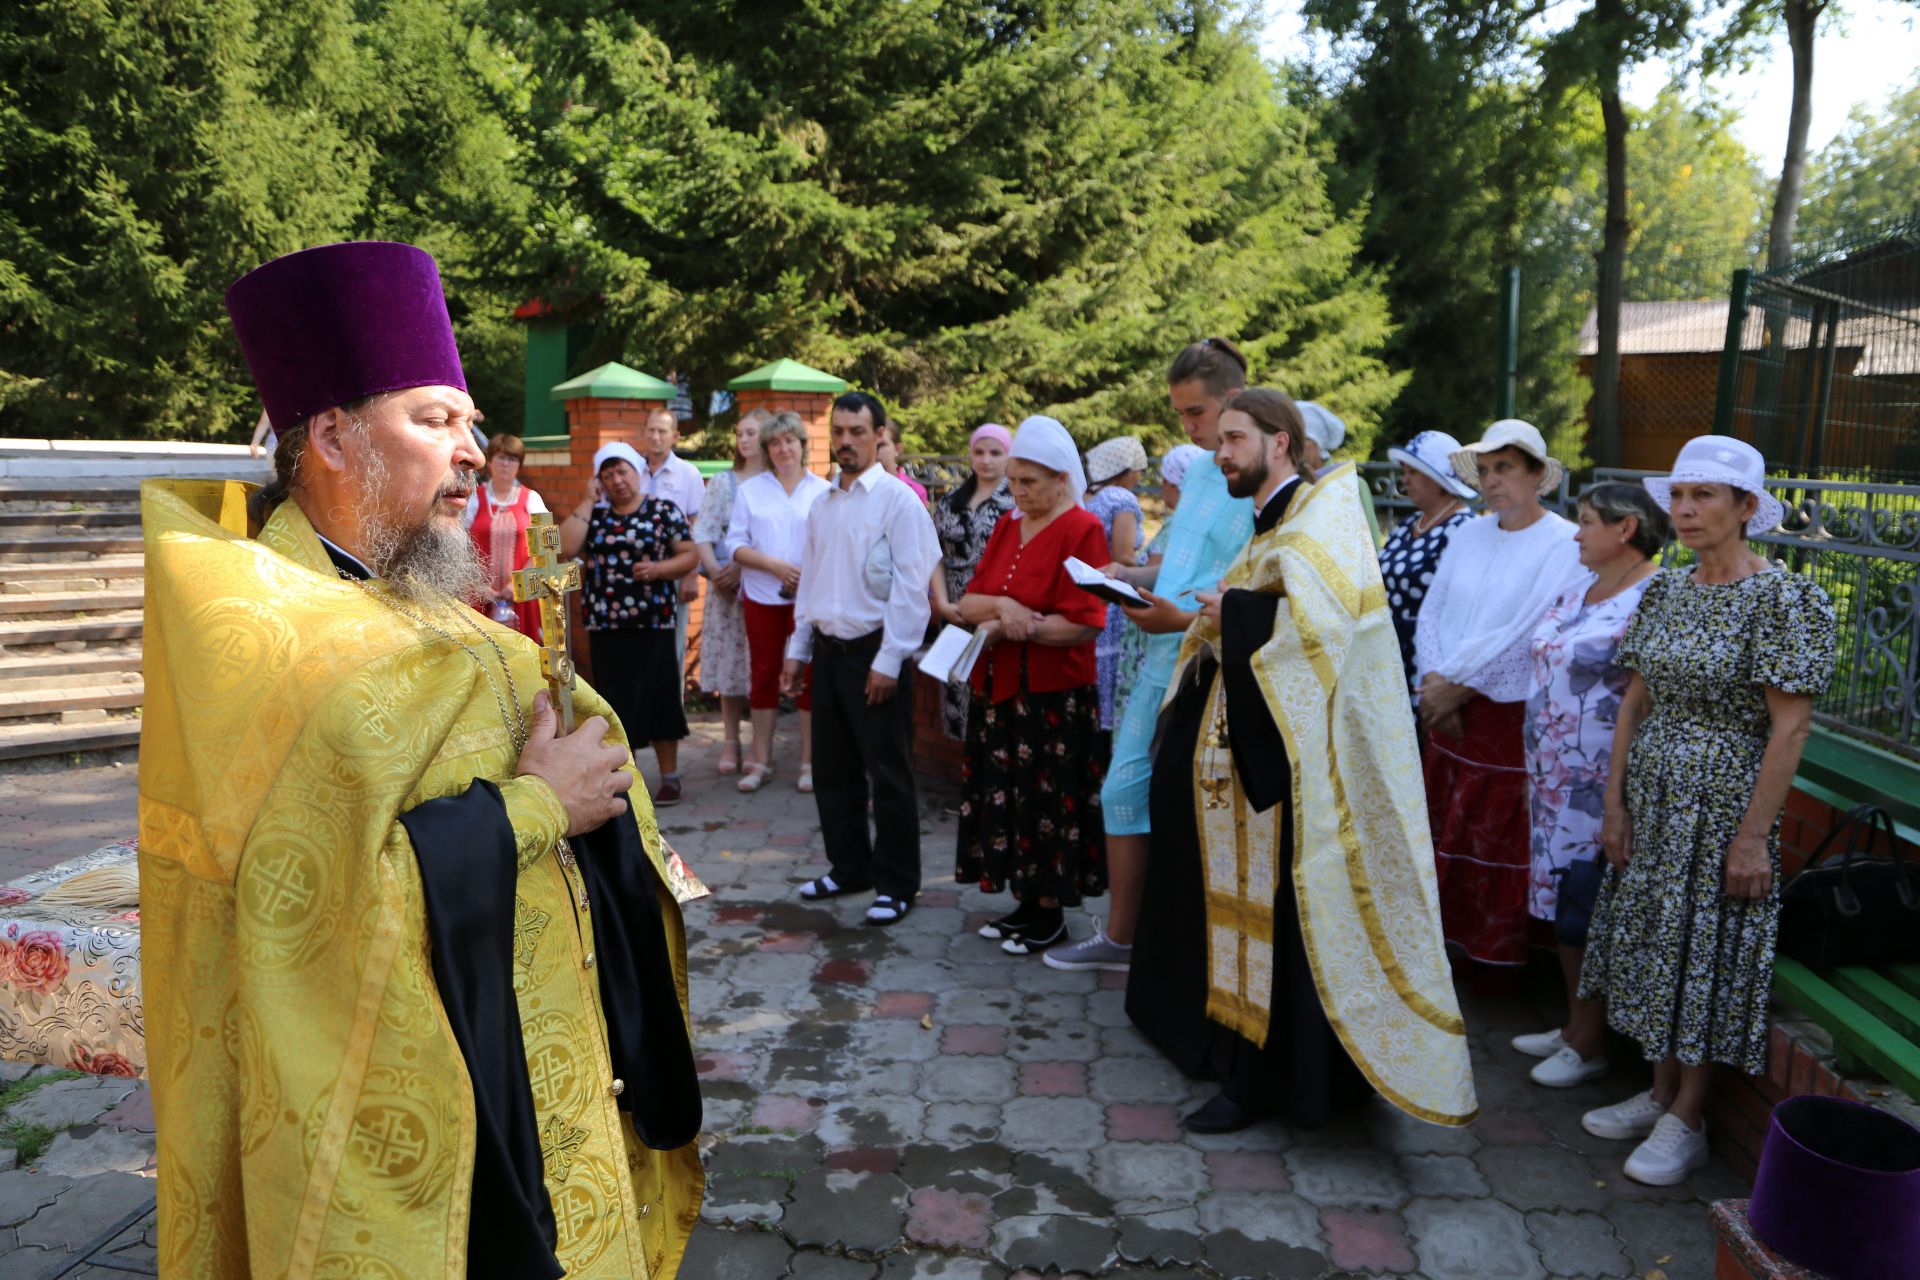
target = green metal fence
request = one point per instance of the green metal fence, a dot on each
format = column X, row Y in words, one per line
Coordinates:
column 1821, row 364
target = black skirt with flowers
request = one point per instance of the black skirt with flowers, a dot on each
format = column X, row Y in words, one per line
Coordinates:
column 1030, row 805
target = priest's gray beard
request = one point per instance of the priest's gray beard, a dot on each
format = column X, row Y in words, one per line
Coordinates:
column 432, row 562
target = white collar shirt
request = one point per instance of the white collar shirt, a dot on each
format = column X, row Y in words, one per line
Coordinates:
column 869, row 559
column 773, row 522
column 677, row 481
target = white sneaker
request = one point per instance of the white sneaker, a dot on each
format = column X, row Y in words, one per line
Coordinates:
column 1540, row 1044
column 1669, row 1154
column 1633, row 1118
column 1567, row 1068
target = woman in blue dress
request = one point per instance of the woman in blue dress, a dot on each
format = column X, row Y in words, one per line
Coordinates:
column 1114, row 468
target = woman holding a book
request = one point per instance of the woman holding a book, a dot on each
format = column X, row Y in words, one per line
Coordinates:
column 1030, row 805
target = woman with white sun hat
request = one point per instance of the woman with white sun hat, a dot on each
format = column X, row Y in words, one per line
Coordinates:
column 1473, row 654
column 1726, row 656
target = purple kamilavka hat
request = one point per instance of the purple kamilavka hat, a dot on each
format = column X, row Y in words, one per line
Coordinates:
column 325, row 326
column 1838, row 1190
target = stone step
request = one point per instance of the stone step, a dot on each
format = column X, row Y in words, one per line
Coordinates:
column 18, row 604
column 84, row 694
column 94, row 666
column 115, row 566
column 21, row 742
column 104, row 493
column 34, row 631
column 40, row 548
column 67, row 521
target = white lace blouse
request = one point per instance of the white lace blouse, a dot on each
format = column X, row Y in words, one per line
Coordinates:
column 1490, row 592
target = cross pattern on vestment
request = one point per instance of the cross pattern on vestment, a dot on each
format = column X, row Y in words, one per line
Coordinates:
column 390, row 1141
column 573, row 1210
column 550, row 1075
column 233, row 653
column 548, row 581
column 283, row 886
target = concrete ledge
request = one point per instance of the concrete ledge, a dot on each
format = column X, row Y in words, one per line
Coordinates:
column 30, row 461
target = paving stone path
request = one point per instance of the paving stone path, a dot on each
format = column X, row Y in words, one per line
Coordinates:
column 887, row 1104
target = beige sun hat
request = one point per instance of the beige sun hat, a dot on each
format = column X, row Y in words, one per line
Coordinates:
column 1509, row 433
column 1115, row 457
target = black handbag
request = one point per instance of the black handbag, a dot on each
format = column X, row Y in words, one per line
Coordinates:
column 1855, row 907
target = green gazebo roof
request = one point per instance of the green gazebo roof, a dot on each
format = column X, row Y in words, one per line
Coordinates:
column 788, row 375
column 614, row 381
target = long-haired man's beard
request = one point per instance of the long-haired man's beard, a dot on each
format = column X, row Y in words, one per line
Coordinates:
column 429, row 561
column 1246, row 480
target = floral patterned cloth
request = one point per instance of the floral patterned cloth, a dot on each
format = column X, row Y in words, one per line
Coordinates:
column 723, row 630
column 1030, row 802
column 1571, row 713
column 614, row 599
column 963, row 532
column 1685, row 969
column 1108, row 503
column 70, row 976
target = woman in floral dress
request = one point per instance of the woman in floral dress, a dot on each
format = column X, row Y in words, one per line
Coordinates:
column 1571, row 712
column 635, row 550
column 1727, row 657
column 965, row 519
column 723, row 634
column 1113, row 473
column 1030, row 802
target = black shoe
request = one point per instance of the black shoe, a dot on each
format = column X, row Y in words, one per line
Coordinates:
column 1009, row 925
column 888, row 911
column 1045, row 927
column 1220, row 1115
column 827, row 887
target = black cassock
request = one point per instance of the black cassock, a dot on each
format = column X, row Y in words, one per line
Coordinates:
column 1303, row 1074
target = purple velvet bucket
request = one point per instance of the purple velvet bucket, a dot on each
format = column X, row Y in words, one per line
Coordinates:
column 1838, row 1189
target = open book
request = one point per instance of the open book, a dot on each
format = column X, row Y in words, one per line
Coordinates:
column 1112, row 590
column 952, row 654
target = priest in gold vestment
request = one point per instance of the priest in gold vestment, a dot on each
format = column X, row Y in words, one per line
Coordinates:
column 1289, row 942
column 415, row 987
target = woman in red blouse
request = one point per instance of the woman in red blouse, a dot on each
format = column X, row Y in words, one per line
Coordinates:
column 1030, row 805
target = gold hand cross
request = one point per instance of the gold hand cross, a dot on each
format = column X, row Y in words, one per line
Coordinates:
column 547, row 580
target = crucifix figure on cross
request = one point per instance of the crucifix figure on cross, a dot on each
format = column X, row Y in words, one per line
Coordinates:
column 550, row 582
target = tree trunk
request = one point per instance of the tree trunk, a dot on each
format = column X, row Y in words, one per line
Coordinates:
column 1802, row 16
column 1604, row 437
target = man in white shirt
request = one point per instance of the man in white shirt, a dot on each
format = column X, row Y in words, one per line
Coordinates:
column 861, row 608
column 672, row 477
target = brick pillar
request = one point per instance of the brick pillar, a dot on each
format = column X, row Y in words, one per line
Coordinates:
column 788, row 384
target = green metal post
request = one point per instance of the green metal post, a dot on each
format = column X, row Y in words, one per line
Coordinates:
column 1729, row 387
column 546, row 365
column 1507, row 392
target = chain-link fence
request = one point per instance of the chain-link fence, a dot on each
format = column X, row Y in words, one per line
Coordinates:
column 1825, row 375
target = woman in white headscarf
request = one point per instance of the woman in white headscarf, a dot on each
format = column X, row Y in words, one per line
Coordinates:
column 1030, row 805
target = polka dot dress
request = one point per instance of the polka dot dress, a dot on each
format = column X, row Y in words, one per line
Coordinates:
column 1407, row 564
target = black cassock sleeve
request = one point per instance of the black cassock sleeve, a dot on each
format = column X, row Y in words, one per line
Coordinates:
column 1259, row 752
column 466, row 853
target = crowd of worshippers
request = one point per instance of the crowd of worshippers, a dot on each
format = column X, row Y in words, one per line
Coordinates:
column 1533, row 652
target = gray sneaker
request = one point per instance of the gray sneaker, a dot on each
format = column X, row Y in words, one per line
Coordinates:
column 1097, row 952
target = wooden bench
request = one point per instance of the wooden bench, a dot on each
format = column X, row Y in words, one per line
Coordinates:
column 1872, row 1012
